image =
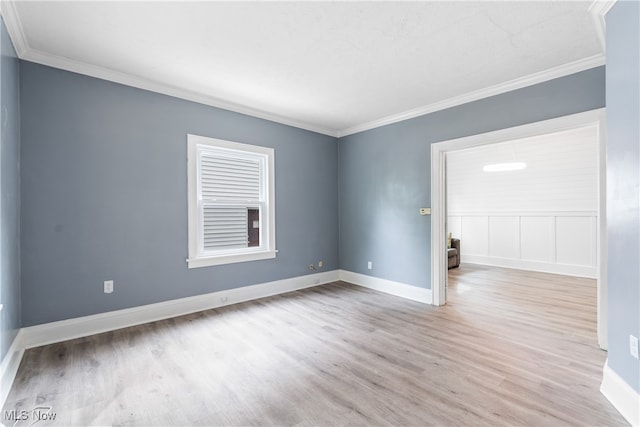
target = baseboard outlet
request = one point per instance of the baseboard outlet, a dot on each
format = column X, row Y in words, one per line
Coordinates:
column 387, row 286
column 48, row 333
column 621, row 395
column 9, row 366
column 542, row 267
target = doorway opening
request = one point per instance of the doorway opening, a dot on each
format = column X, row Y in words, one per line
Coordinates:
column 439, row 226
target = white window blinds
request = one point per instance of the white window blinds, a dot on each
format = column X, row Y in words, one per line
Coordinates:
column 224, row 227
column 230, row 184
column 228, row 178
column 231, row 202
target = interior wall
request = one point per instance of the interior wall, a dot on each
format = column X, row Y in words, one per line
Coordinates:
column 385, row 172
column 623, row 186
column 104, row 196
column 543, row 217
column 10, row 183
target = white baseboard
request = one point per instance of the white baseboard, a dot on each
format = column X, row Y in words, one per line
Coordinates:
column 48, row 333
column 9, row 367
column 390, row 287
column 543, row 267
column 621, row 395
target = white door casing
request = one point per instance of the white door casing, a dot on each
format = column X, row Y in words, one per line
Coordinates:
column 594, row 118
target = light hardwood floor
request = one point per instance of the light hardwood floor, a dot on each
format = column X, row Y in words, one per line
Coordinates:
column 510, row 348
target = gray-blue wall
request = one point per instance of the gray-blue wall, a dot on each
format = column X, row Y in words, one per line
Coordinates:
column 104, row 196
column 385, row 173
column 623, row 186
column 10, row 183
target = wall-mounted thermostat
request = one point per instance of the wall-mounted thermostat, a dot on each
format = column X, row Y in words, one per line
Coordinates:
column 425, row 211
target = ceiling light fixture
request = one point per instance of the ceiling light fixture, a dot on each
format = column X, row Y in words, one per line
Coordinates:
column 504, row 167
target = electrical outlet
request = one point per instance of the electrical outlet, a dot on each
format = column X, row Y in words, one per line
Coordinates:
column 108, row 286
column 320, row 264
column 370, row 265
column 633, row 346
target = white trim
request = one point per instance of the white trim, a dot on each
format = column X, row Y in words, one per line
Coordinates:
column 552, row 265
column 267, row 250
column 438, row 194
column 387, row 286
column 602, row 236
column 540, row 266
column 230, row 259
column 598, row 11
column 25, row 52
column 14, row 28
column 9, row 367
column 439, row 265
column 166, row 89
column 585, row 213
column 621, row 395
column 162, row 88
column 48, row 333
column 519, row 83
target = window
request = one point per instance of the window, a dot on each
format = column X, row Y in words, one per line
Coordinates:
column 231, row 202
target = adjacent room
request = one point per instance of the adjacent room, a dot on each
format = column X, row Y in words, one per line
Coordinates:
column 320, row 213
column 531, row 204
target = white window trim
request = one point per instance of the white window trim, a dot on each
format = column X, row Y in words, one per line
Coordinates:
column 196, row 258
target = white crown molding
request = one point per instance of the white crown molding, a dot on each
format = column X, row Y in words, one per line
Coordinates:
column 387, row 286
column 25, row 52
column 519, row 83
column 621, row 395
column 162, row 88
column 598, row 11
column 601, row 7
column 14, row 27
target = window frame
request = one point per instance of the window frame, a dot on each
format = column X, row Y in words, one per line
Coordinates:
column 197, row 257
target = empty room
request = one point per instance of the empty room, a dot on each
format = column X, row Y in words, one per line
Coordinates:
column 320, row 213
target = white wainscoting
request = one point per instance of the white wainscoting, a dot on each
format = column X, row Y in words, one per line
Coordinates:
column 553, row 242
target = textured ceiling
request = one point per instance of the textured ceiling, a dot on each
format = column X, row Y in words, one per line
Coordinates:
column 334, row 67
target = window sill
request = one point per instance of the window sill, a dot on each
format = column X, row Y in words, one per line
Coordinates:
column 230, row 259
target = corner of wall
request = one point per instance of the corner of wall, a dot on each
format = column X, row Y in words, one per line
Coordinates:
column 621, row 395
column 9, row 367
column 10, row 281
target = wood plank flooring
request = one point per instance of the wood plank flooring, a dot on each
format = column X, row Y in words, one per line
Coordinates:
column 510, row 348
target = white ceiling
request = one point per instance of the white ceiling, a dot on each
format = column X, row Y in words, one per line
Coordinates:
column 331, row 67
column 561, row 175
